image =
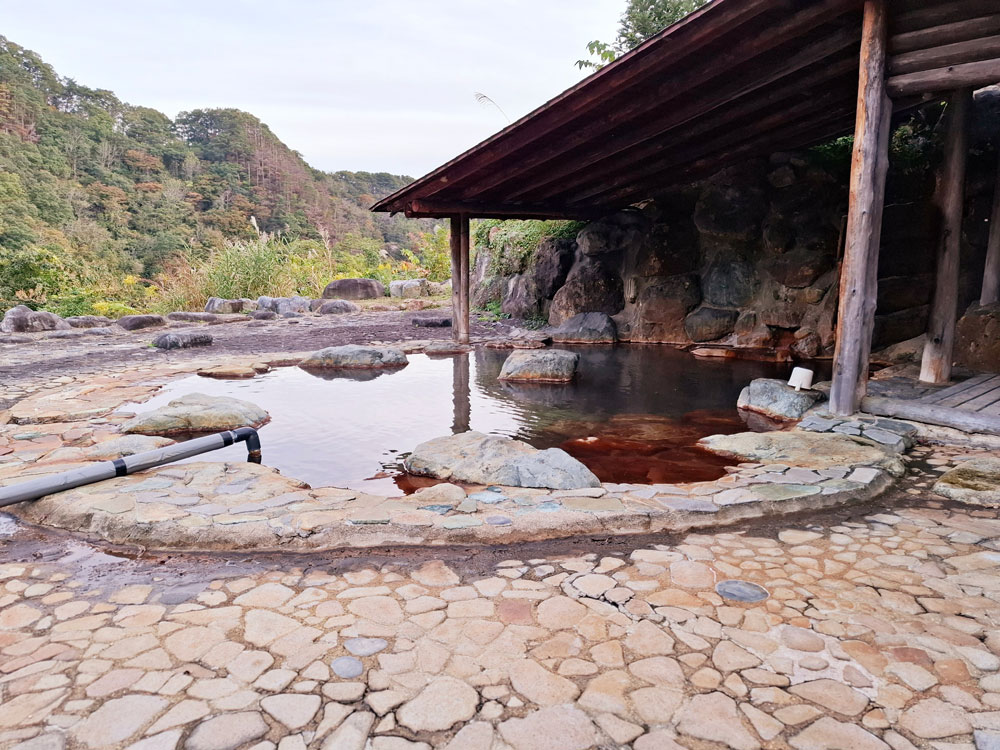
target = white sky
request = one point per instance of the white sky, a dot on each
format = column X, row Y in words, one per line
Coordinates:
column 382, row 85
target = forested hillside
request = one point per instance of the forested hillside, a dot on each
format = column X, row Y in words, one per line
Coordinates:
column 104, row 201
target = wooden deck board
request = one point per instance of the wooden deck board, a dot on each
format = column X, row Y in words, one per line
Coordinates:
column 944, row 393
column 971, row 396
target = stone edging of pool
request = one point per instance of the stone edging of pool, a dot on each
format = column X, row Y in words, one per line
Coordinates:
column 239, row 506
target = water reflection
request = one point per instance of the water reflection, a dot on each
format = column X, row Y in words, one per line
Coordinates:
column 634, row 413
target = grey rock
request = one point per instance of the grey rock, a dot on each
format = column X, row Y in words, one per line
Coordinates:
column 976, row 481
column 229, row 306
column 284, row 305
column 587, row 328
column 182, row 340
column 128, row 445
column 985, row 739
column 710, row 323
column 197, row 412
column 591, row 286
column 88, row 321
column 15, row 340
column 263, row 315
column 409, row 288
column 491, row 459
column 614, row 234
column 347, row 667
column 540, row 366
column 884, row 437
column 354, row 357
column 354, row 289
column 137, row 322
column 22, row 319
column 48, row 741
column 776, row 399
column 336, row 307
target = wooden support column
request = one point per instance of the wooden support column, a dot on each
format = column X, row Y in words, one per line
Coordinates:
column 460, row 250
column 991, row 274
column 935, row 367
column 859, row 270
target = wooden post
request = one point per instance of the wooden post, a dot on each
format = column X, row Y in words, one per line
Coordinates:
column 859, row 270
column 935, row 367
column 991, row 274
column 465, row 247
column 455, row 242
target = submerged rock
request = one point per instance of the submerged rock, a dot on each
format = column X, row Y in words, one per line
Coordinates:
column 197, row 412
column 976, row 481
column 587, row 328
column 22, row 319
column 354, row 289
column 353, row 356
column 492, row 459
column 182, row 340
column 776, row 399
column 136, row 322
column 540, row 366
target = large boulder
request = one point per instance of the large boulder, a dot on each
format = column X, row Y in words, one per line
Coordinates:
column 138, row 322
column 491, row 459
column 285, row 305
column 197, row 412
column 354, row 289
column 977, row 343
column 540, row 366
column 182, row 340
column 409, row 288
column 530, row 292
column 976, row 481
column 22, row 319
column 662, row 307
column 591, row 286
column 776, row 399
column 229, row 306
column 587, row 328
column 710, row 323
column 354, row 357
column 336, row 307
column 614, row 234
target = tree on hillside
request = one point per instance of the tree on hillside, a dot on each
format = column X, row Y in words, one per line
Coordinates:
column 641, row 20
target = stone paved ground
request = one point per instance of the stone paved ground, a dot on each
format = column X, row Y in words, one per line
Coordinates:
column 880, row 631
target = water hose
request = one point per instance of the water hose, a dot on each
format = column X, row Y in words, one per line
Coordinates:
column 119, row 467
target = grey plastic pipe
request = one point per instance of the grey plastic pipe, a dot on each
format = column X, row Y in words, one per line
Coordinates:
column 119, row 467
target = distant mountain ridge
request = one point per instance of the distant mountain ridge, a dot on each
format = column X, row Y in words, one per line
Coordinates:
column 88, row 177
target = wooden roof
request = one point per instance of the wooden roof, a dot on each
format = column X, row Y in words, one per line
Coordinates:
column 736, row 79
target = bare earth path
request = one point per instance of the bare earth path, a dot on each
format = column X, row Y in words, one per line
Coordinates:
column 879, row 631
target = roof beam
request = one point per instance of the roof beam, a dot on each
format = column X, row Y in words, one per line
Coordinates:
column 945, row 55
column 968, row 75
column 687, row 37
column 948, row 33
column 435, row 209
column 577, row 173
column 938, row 15
column 672, row 89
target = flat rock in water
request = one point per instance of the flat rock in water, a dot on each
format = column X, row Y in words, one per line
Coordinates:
column 229, row 372
column 22, row 319
column 776, row 399
column 495, row 460
column 540, row 366
column 182, row 340
column 587, row 328
column 976, row 481
column 353, row 356
column 127, row 445
column 136, row 322
column 810, row 450
column 197, row 412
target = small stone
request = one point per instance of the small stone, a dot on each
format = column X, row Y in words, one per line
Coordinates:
column 439, row 706
column 365, row 646
column 563, row 727
column 830, row 734
column 724, row 727
column 347, row 667
column 832, row 695
column 932, row 718
column 294, row 711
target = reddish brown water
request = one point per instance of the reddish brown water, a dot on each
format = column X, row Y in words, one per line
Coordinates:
column 634, row 414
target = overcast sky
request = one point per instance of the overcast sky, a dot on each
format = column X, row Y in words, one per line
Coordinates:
column 377, row 85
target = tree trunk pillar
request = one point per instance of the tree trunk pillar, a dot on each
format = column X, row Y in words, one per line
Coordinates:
column 859, row 270
column 935, row 366
column 460, row 251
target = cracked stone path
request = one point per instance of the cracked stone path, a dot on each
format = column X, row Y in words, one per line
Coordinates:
column 880, row 631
